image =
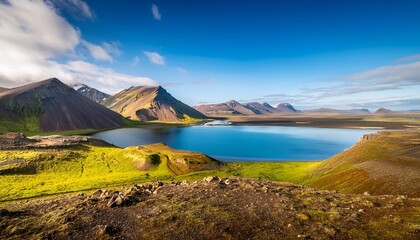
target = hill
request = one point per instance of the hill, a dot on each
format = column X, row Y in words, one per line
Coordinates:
column 380, row 163
column 262, row 109
column 234, row 108
column 286, row 108
column 92, row 93
column 383, row 111
column 50, row 105
column 60, row 164
column 151, row 104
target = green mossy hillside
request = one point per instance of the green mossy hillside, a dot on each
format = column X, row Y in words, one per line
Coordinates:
column 42, row 172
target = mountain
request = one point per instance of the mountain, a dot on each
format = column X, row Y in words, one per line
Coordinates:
column 338, row 111
column 233, row 107
column 51, row 105
column 3, row 89
column 91, row 93
column 286, row 108
column 228, row 108
column 383, row 111
column 259, row 108
column 147, row 103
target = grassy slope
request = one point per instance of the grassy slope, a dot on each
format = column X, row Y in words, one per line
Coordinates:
column 385, row 163
column 93, row 167
column 48, row 172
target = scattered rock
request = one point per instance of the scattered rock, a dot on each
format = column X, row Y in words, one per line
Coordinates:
column 211, row 179
column 97, row 194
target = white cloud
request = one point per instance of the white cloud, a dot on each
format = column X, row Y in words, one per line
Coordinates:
column 155, row 12
column 97, row 51
column 77, row 8
column 106, row 76
column 155, row 58
column 397, row 75
column 33, row 36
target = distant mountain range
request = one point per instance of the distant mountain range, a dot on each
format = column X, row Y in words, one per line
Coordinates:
column 91, row 93
column 233, row 107
column 51, row 105
column 151, row 104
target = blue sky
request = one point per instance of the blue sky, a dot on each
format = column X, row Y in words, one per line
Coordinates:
column 340, row 54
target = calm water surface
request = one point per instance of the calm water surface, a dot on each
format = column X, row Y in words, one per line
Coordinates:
column 244, row 143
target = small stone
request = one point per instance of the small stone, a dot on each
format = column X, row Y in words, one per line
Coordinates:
column 289, row 225
column 115, row 201
column 366, row 194
column 361, row 211
column 97, row 194
column 211, row 179
column 185, row 182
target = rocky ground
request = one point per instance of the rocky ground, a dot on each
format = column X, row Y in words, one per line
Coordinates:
column 213, row 208
column 19, row 141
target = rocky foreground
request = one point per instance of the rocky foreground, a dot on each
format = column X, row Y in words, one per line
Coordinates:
column 213, row 208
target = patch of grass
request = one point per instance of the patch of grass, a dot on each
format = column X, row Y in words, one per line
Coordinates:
column 58, row 171
column 294, row 172
column 26, row 124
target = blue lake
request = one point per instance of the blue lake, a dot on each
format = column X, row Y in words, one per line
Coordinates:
column 243, row 143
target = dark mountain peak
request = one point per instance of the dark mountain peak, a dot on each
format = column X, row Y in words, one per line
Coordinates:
column 232, row 103
column 57, row 106
column 383, row 110
column 160, row 89
column 92, row 93
column 50, row 82
column 286, row 107
column 267, row 105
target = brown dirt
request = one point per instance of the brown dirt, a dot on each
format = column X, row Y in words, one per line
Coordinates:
column 214, row 209
column 18, row 141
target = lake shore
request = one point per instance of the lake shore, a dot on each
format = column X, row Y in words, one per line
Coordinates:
column 388, row 122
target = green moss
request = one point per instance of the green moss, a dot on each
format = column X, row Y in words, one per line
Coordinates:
column 91, row 167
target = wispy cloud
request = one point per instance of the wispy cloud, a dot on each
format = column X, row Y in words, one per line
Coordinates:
column 155, row 12
column 97, row 52
column 155, row 58
column 112, row 48
column 352, row 90
column 409, row 58
column 205, row 81
column 182, row 71
column 135, row 61
column 31, row 45
column 77, row 8
column 375, row 80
